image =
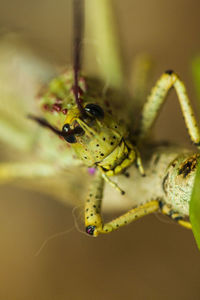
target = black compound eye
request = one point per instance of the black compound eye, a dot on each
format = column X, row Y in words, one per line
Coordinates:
column 94, row 110
column 69, row 137
column 66, row 128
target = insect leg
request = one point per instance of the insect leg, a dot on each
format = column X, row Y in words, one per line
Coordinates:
column 167, row 210
column 158, row 95
column 112, row 183
column 93, row 220
column 138, row 159
column 130, row 216
column 19, row 170
column 139, row 162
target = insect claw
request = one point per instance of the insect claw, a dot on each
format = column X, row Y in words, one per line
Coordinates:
column 90, row 229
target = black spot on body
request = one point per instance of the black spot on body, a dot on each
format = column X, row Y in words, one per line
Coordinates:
column 188, row 166
column 186, row 169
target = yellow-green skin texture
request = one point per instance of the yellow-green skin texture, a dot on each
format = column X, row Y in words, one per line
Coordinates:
column 105, row 141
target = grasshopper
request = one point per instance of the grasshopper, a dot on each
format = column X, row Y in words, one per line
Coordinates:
column 75, row 112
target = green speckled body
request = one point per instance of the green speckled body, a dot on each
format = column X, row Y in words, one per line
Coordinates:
column 105, row 141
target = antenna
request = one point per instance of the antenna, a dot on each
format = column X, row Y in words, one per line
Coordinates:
column 78, row 21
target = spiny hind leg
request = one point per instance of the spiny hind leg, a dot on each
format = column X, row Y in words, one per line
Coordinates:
column 166, row 209
column 93, row 220
column 155, row 100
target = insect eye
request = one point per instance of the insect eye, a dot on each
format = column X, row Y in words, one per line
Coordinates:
column 66, row 128
column 94, row 110
column 68, row 136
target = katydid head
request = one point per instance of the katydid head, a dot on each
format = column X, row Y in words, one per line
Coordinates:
column 94, row 134
column 89, row 113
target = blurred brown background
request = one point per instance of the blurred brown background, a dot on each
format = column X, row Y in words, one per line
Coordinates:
column 149, row 259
